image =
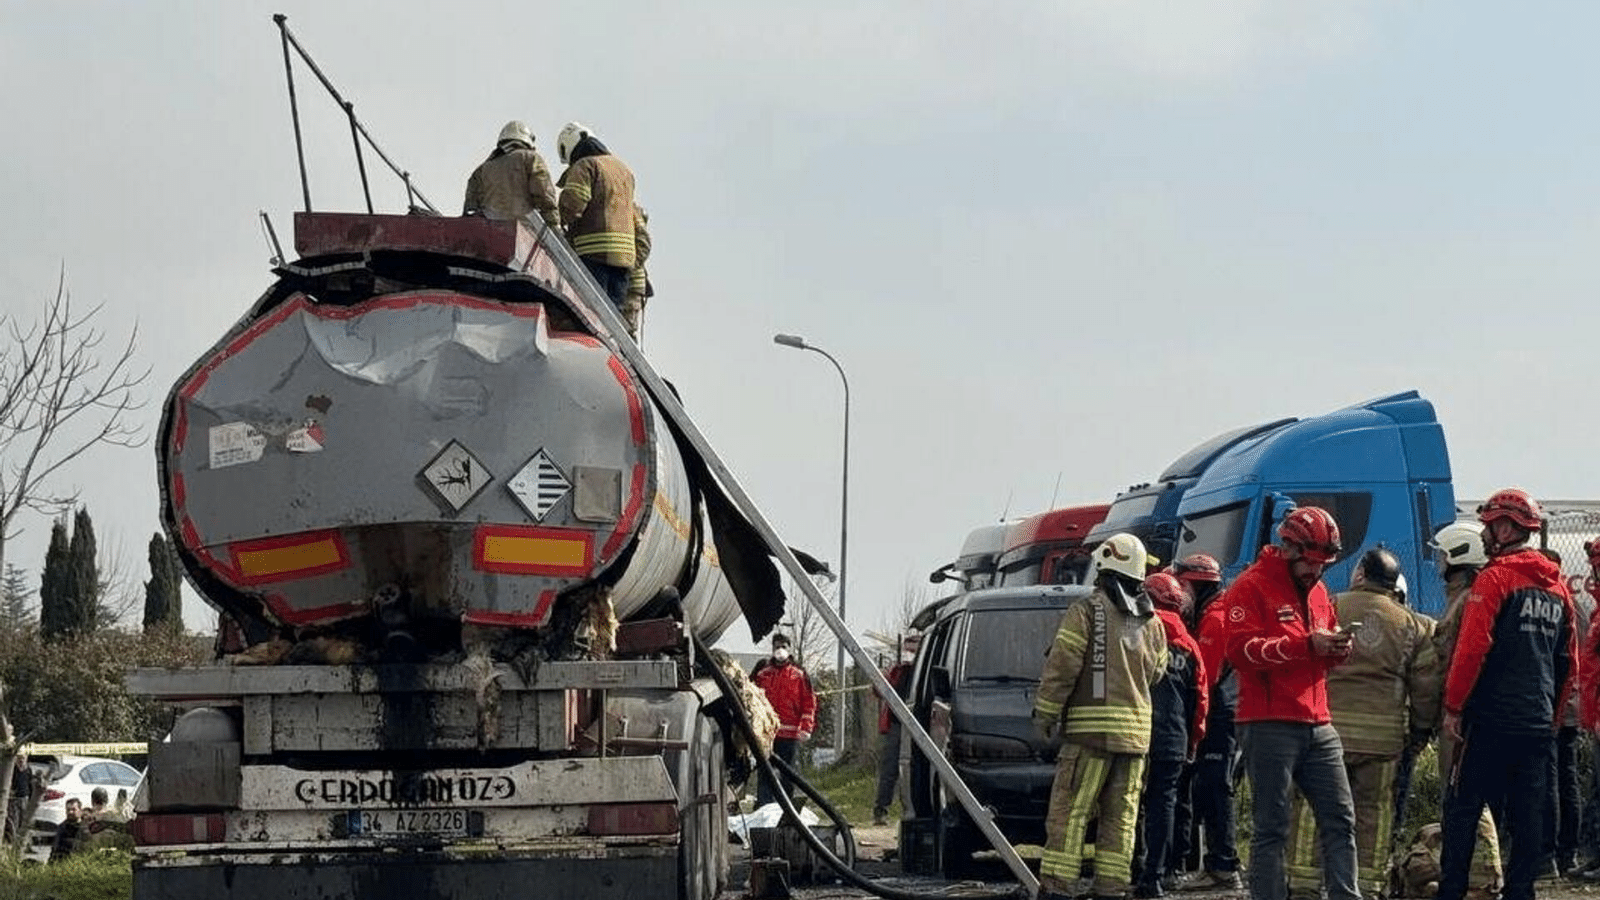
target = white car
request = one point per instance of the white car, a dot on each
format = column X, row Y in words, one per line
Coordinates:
column 74, row 778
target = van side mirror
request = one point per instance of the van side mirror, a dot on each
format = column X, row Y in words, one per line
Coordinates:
column 939, row 680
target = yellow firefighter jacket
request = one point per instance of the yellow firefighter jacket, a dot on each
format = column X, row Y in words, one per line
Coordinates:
column 1098, row 675
column 511, row 185
column 1390, row 685
column 639, row 279
column 597, row 208
column 1456, row 591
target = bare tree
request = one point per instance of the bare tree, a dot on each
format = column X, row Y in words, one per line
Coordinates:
column 60, row 395
column 811, row 636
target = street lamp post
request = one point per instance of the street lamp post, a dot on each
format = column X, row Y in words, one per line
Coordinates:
column 799, row 343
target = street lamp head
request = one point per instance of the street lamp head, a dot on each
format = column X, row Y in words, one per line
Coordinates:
column 790, row 340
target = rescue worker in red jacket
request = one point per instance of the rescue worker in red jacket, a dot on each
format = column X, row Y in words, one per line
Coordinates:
column 1383, row 699
column 1504, row 694
column 1178, row 703
column 788, row 689
column 1458, row 553
column 1207, row 785
column 1588, row 691
column 1282, row 639
column 898, row 676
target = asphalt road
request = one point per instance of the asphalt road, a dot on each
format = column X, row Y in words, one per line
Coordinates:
column 878, row 859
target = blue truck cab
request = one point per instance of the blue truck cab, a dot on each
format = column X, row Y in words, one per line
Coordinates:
column 1380, row 467
column 1149, row 511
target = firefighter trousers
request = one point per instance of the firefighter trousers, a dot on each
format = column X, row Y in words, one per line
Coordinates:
column 1487, row 872
column 1371, row 789
column 1515, row 767
column 1091, row 784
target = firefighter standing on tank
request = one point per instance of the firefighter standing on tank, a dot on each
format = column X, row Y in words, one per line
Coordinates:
column 1095, row 693
column 1282, row 640
column 513, row 182
column 1177, row 723
column 598, row 211
column 1507, row 683
column 1383, row 697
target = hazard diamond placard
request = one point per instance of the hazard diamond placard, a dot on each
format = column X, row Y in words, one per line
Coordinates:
column 539, row 485
column 456, row 476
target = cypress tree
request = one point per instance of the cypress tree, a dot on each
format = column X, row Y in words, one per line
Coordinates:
column 54, row 615
column 163, row 599
column 83, row 576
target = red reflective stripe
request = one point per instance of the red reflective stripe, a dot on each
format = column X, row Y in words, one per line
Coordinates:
column 633, row 818
column 540, row 614
column 629, row 514
column 296, row 616
column 158, row 830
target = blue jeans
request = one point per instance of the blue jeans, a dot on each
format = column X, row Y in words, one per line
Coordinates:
column 1515, row 768
column 1281, row 756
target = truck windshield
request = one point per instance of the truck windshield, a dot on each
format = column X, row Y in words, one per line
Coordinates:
column 1129, row 509
column 1008, row 644
column 1218, row 533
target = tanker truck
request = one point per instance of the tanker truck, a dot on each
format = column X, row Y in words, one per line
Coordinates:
column 468, row 569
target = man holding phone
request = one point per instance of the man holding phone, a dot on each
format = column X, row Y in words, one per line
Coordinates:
column 1384, row 696
column 1283, row 638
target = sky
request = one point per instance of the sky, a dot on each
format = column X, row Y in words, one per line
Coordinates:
column 1051, row 243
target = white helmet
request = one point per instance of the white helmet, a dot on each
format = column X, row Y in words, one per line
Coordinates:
column 1123, row 554
column 1460, row 544
column 517, row 132
column 571, row 134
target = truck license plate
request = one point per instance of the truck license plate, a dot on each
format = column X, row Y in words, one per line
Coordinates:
column 457, row 822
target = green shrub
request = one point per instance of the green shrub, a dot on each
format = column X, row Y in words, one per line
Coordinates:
column 101, row 875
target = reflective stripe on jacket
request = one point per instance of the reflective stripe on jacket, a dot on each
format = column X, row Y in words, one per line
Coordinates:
column 1269, row 643
column 1389, row 687
column 597, row 208
column 1098, row 674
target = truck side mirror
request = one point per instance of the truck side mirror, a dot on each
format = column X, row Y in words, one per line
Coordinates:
column 939, row 680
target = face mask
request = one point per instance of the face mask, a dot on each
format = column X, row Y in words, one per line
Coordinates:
column 781, row 654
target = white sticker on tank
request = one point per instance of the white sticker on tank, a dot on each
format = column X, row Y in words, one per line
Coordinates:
column 456, row 476
column 305, row 440
column 236, row 443
column 539, row 485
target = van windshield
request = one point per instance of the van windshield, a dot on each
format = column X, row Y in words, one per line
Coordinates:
column 1219, row 533
column 1008, row 644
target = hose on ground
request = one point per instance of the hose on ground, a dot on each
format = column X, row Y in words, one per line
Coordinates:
column 791, row 814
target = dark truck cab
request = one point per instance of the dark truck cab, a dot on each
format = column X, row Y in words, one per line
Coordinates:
column 972, row 687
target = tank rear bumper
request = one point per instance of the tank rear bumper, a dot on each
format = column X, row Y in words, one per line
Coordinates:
column 623, row 872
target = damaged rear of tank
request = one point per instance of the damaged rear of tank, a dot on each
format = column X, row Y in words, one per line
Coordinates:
column 459, row 557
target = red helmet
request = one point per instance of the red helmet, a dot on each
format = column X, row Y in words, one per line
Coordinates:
column 1165, row 592
column 1314, row 531
column 1513, row 504
column 1198, row 567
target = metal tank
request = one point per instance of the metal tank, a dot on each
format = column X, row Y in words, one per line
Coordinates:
column 418, row 423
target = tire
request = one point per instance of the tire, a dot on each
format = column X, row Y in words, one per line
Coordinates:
column 957, row 839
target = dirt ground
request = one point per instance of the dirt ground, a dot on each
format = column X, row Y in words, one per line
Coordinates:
column 875, row 843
